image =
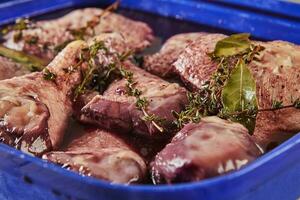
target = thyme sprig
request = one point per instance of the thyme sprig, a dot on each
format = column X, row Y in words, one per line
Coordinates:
column 213, row 88
column 276, row 105
column 88, row 55
column 192, row 111
column 230, row 53
column 98, row 76
column 207, row 101
column 141, row 102
column 20, row 25
column 89, row 28
column 48, row 75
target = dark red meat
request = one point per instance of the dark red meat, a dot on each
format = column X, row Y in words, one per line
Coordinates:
column 210, row 148
column 115, row 110
column 35, row 111
column 161, row 63
column 277, row 76
column 101, row 154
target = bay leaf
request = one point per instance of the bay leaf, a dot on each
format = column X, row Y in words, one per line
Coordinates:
column 239, row 96
column 232, row 45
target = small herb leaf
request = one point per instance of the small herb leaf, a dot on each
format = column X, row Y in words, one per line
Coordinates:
column 297, row 104
column 50, row 76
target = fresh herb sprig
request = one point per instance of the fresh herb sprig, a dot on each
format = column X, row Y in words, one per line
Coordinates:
column 252, row 112
column 141, row 102
column 20, row 25
column 88, row 55
column 226, row 94
column 228, row 53
column 208, row 100
column 192, row 111
column 98, row 76
column 89, row 28
column 48, row 75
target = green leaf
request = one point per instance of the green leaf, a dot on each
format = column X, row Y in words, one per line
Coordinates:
column 232, row 45
column 48, row 75
column 239, row 96
column 32, row 62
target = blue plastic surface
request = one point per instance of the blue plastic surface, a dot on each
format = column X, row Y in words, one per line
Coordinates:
column 275, row 175
column 284, row 8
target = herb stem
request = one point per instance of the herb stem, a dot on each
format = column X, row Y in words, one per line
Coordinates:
column 279, row 108
column 152, row 121
column 141, row 103
column 80, row 88
column 79, row 33
column 31, row 62
column 262, row 110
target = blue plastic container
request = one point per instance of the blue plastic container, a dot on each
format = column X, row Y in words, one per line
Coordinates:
column 275, row 175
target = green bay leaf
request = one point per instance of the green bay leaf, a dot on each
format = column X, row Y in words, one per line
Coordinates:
column 232, row 45
column 239, row 96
